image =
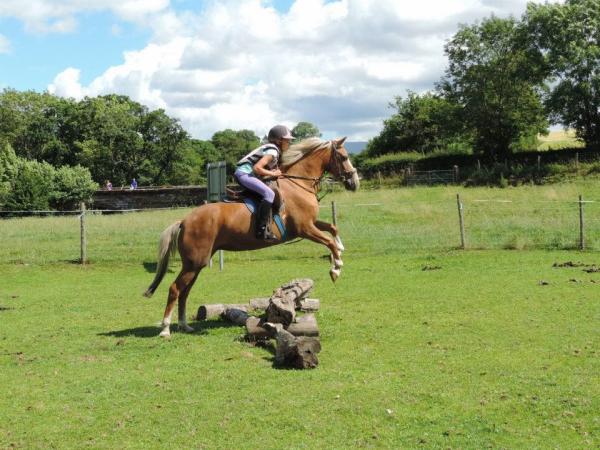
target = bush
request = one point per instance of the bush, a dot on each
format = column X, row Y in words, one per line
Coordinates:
column 71, row 186
column 31, row 187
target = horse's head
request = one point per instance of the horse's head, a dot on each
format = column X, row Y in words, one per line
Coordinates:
column 341, row 167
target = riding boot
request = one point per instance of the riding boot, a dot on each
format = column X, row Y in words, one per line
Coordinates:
column 263, row 219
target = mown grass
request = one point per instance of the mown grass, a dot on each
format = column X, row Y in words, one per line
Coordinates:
column 559, row 139
column 472, row 352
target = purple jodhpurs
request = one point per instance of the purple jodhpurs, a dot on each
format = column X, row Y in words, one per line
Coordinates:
column 254, row 184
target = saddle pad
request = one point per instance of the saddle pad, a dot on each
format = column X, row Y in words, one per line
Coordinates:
column 251, row 205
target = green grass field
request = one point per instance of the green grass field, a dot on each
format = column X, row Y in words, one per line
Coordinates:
column 559, row 139
column 490, row 347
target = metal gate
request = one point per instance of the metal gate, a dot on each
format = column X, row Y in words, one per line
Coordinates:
column 216, row 178
column 431, row 177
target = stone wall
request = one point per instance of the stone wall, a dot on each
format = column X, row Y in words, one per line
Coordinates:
column 164, row 197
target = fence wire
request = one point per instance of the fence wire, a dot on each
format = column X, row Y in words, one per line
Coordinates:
column 394, row 226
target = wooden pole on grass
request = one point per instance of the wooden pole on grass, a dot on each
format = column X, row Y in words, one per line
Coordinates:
column 83, row 256
column 461, row 221
column 581, row 235
column 334, row 213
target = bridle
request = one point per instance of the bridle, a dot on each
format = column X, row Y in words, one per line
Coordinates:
column 336, row 163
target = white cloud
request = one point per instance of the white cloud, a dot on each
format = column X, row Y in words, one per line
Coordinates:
column 47, row 16
column 4, row 44
column 242, row 64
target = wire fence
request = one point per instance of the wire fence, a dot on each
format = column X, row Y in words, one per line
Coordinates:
column 367, row 228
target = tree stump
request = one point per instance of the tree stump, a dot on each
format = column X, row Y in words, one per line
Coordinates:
column 297, row 352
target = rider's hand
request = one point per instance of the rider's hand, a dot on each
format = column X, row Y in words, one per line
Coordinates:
column 276, row 173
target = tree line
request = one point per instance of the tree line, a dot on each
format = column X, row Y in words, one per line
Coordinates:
column 506, row 81
column 54, row 152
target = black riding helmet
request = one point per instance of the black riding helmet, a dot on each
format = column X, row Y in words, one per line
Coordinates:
column 279, row 132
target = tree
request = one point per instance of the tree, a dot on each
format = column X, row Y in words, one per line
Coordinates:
column 568, row 37
column 492, row 76
column 304, row 130
column 232, row 145
column 423, row 123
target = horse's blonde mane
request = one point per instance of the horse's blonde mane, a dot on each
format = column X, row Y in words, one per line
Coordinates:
column 302, row 148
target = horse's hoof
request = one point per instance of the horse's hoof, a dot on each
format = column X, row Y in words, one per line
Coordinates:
column 334, row 274
column 166, row 333
column 186, row 328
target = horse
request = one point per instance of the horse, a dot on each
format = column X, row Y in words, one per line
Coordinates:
column 230, row 226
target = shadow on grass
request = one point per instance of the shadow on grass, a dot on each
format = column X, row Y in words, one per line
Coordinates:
column 150, row 267
column 200, row 328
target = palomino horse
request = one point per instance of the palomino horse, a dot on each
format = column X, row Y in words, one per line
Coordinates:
column 230, row 226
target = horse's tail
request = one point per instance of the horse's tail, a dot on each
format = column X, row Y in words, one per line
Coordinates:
column 166, row 248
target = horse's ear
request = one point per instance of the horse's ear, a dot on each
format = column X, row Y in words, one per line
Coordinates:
column 340, row 141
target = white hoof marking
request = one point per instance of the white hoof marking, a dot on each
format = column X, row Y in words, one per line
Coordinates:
column 166, row 333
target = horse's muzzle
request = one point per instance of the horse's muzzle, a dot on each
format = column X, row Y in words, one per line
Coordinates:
column 352, row 183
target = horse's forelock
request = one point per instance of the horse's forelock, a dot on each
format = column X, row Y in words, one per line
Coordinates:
column 300, row 149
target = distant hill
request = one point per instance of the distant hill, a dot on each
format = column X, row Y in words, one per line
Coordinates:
column 355, row 147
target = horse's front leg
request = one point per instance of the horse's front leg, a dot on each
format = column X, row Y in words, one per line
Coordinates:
column 315, row 234
column 333, row 230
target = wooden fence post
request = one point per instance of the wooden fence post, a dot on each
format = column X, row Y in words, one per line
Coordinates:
column 461, row 221
column 456, row 174
column 83, row 256
column 333, row 213
column 581, row 234
column 539, row 162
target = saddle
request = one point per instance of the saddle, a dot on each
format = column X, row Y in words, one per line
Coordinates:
column 239, row 194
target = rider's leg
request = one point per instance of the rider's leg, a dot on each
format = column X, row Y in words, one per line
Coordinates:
column 263, row 212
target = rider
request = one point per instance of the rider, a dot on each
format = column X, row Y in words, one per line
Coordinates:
column 259, row 164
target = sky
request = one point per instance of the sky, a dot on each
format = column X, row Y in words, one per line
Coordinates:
column 239, row 64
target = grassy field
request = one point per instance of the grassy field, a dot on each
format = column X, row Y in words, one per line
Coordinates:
column 424, row 345
column 558, row 139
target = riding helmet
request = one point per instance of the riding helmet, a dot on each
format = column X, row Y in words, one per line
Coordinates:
column 279, row 132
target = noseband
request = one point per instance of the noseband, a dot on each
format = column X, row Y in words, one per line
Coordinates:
column 337, row 164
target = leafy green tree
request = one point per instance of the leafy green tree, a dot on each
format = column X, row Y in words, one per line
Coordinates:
column 568, row 36
column 304, row 130
column 423, row 123
column 31, row 187
column 71, row 185
column 492, row 76
column 8, row 170
column 232, row 145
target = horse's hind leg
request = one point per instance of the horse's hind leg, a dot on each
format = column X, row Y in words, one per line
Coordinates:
column 179, row 286
column 181, row 304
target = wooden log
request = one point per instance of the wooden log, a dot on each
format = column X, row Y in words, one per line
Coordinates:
column 235, row 315
column 260, row 303
column 309, row 304
column 255, row 330
column 297, row 289
column 304, row 326
column 206, row 312
column 291, row 351
column 213, row 311
column 281, row 309
column 305, row 304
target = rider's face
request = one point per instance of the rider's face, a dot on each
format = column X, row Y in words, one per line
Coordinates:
column 284, row 144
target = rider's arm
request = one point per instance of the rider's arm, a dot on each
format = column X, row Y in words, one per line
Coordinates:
column 262, row 171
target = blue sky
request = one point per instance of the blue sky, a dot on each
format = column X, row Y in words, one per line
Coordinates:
column 238, row 63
